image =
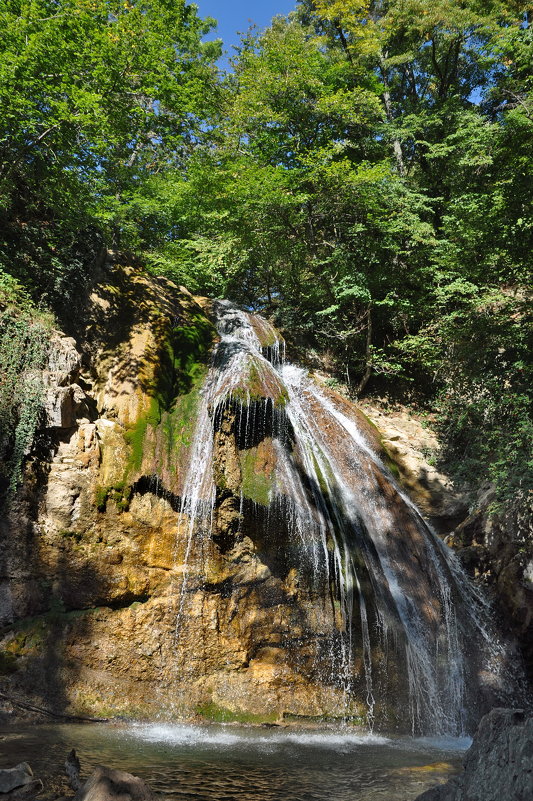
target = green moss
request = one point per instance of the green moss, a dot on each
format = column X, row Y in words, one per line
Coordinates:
column 120, row 493
column 179, row 371
column 90, row 703
column 352, row 719
column 181, row 359
column 392, row 466
column 219, row 714
column 256, row 486
column 268, row 341
column 179, row 423
column 256, row 388
column 371, row 424
column 32, row 633
column 220, row 479
column 56, row 607
column 100, row 498
column 135, row 435
column 71, row 535
column 8, row 663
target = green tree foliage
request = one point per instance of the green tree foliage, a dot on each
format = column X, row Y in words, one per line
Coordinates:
column 95, row 96
column 299, row 206
column 370, row 187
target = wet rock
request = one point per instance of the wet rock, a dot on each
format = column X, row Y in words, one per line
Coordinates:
column 499, row 764
column 10, row 778
column 27, row 791
column 497, row 550
column 106, row 784
column 72, row 769
column 102, row 563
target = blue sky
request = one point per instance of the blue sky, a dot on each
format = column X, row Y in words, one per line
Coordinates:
column 238, row 15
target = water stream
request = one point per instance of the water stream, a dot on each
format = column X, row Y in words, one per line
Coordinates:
column 406, row 630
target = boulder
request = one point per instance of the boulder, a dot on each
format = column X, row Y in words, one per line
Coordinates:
column 72, row 769
column 15, row 777
column 498, row 765
column 106, row 784
column 26, row 792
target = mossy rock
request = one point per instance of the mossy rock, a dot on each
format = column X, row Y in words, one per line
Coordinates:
column 8, row 663
column 218, row 714
column 119, row 493
column 257, row 473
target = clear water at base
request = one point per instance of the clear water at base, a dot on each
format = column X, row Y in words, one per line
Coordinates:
column 234, row 763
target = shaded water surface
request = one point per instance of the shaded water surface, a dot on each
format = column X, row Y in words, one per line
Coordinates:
column 227, row 763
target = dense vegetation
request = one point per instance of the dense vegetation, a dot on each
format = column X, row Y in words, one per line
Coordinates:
column 363, row 175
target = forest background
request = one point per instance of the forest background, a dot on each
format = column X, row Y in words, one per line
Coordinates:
column 361, row 175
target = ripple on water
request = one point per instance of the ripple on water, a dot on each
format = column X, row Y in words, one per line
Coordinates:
column 232, row 763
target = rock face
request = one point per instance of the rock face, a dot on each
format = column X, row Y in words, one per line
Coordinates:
column 112, row 603
column 499, row 764
column 87, row 554
column 413, row 448
column 94, row 547
column 497, row 550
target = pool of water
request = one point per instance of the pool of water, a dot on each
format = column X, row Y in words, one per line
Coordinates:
column 230, row 763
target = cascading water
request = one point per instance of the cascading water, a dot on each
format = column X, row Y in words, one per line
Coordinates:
column 396, row 617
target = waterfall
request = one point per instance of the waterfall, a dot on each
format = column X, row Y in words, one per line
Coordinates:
column 399, row 626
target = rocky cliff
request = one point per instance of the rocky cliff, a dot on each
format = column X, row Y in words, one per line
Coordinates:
column 106, row 608
column 94, row 559
column 89, row 543
column 495, row 548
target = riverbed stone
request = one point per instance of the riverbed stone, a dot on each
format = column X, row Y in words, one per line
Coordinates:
column 106, row 784
column 10, row 778
column 27, row 792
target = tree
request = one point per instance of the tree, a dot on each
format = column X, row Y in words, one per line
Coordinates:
column 369, row 188
column 95, row 96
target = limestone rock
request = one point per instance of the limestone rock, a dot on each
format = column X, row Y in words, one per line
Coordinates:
column 65, row 401
column 72, row 769
column 63, row 405
column 106, row 784
column 10, row 778
column 113, row 449
column 498, row 765
column 100, row 573
column 413, row 447
column 64, row 360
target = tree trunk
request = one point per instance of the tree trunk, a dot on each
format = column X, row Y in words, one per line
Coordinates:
column 368, row 354
column 396, row 144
